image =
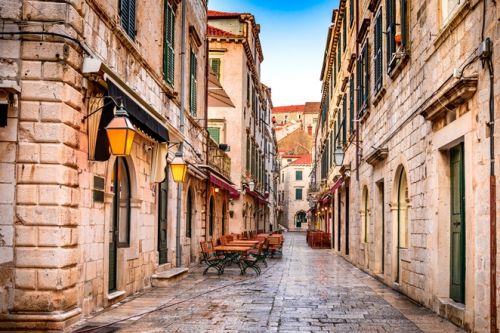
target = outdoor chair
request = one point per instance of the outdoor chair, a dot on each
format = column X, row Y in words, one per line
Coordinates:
column 275, row 246
column 210, row 258
column 244, row 236
column 248, row 261
column 259, row 253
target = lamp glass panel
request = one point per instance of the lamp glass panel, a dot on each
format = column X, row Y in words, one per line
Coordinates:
column 117, row 140
column 129, row 141
column 178, row 172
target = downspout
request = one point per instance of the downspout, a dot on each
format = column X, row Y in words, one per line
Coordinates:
column 178, row 254
column 207, row 183
column 357, row 114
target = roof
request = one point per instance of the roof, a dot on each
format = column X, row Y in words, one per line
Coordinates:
column 213, row 31
column 216, row 13
column 308, row 107
column 303, row 160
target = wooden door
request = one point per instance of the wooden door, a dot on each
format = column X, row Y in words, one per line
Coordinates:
column 162, row 222
column 457, row 228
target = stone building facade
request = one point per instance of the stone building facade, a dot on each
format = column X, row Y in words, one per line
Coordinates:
column 306, row 115
column 406, row 103
column 80, row 229
column 235, row 57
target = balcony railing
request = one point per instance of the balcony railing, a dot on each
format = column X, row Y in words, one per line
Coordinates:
column 218, row 159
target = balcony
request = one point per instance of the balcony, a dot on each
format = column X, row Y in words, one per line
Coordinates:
column 218, row 159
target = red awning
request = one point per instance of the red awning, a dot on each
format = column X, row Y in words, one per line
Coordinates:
column 220, row 183
column 256, row 195
column 337, row 184
column 325, row 199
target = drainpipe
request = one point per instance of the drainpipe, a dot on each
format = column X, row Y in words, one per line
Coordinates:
column 207, row 183
column 357, row 119
column 178, row 254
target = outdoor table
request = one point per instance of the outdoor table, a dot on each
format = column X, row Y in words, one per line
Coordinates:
column 233, row 253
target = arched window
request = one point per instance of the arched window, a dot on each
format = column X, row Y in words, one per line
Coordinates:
column 189, row 214
column 403, row 234
column 365, row 222
column 211, row 217
column 121, row 201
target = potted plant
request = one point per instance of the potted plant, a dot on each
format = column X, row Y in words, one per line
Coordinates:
column 397, row 39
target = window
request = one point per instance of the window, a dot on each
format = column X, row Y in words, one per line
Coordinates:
column 168, row 45
column 377, row 51
column 215, row 65
column 248, row 154
column 298, row 174
column 362, row 73
column 315, row 121
column 397, row 30
column 351, row 103
column 193, row 84
column 448, row 7
column 121, row 201
column 214, row 133
column 339, row 55
column 298, row 194
column 344, row 34
column 127, row 17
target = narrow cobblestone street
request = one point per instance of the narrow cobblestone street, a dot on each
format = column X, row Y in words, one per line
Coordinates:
column 306, row 290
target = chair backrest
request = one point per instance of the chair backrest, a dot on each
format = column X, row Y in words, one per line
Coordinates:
column 261, row 238
column 223, row 240
column 207, row 248
column 229, row 238
column 274, row 241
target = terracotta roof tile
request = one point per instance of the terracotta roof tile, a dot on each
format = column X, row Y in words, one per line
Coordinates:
column 216, row 13
column 213, row 31
column 288, row 108
column 302, row 160
column 312, row 107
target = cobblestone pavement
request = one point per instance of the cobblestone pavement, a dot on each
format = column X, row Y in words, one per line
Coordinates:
column 305, row 291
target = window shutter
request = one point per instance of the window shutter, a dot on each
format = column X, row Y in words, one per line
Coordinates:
column 358, row 85
column 339, row 55
column 344, row 120
column 214, row 133
column 391, row 31
column 215, row 66
column 124, row 14
column 339, row 124
column 193, row 84
column 404, row 22
column 377, row 52
column 344, row 34
column 351, row 11
column 131, row 18
column 168, row 53
column 366, row 73
column 351, row 103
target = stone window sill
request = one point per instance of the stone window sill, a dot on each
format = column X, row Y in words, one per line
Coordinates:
column 451, row 23
column 378, row 96
column 115, row 294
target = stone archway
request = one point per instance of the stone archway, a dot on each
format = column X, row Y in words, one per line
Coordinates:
column 300, row 218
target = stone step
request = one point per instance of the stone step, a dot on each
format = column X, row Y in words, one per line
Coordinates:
column 166, row 278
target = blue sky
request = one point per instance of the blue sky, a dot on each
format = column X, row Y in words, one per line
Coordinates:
column 293, row 36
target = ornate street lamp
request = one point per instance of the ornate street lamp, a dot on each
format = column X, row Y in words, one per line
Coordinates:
column 120, row 133
column 179, row 168
column 338, row 156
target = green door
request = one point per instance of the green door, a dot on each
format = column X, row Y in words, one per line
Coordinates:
column 162, row 222
column 457, row 230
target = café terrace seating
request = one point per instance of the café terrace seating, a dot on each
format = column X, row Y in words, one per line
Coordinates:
column 245, row 250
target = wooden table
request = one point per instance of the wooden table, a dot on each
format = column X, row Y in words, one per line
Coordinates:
column 234, row 253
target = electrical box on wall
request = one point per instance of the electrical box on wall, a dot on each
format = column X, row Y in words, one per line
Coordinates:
column 4, row 109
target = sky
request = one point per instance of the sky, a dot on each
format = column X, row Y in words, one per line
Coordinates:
column 293, row 36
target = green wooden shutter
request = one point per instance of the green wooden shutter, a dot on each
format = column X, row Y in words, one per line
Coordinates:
column 404, row 23
column 214, row 133
column 339, row 55
column 391, row 31
column 377, row 52
column 366, row 75
column 215, row 66
column 127, row 17
column 358, row 85
column 298, row 194
column 351, row 102
column 248, row 154
column 344, row 34
column 344, row 120
column 168, row 52
column 351, row 11
column 193, row 84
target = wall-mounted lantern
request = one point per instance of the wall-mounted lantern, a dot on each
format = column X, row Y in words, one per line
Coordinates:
column 338, row 156
column 120, row 133
column 179, row 168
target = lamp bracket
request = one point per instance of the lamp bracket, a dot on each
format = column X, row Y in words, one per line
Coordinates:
column 113, row 101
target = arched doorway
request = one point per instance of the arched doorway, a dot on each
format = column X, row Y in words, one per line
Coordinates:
column 119, row 232
column 401, row 219
column 300, row 218
column 211, row 217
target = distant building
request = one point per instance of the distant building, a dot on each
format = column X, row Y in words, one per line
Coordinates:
column 235, row 56
column 307, row 115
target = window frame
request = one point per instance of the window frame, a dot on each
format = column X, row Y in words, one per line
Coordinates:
column 193, row 83
column 169, row 44
column 297, row 191
column 128, row 8
column 378, row 61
